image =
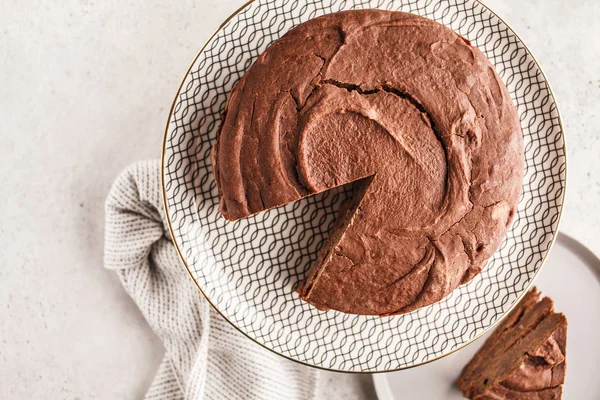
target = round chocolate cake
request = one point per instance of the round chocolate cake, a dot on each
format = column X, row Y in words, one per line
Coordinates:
column 415, row 117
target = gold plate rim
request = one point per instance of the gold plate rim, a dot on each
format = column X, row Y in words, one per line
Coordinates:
column 485, row 330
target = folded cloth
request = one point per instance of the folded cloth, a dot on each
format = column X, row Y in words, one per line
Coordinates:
column 205, row 357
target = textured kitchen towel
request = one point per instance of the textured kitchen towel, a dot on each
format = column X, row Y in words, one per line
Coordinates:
column 205, row 357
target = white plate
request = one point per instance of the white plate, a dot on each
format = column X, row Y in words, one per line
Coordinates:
column 571, row 277
column 247, row 269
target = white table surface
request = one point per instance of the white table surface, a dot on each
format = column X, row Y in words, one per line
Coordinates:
column 85, row 89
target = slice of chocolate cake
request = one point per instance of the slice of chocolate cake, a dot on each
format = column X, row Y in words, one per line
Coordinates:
column 524, row 358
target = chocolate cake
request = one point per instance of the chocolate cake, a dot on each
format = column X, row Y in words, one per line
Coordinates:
column 414, row 116
column 524, row 358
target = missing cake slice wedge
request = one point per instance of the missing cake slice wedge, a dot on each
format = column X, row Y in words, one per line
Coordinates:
column 524, row 358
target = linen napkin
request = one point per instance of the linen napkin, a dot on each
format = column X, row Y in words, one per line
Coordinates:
column 205, row 357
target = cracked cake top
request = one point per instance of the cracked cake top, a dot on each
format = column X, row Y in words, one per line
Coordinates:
column 409, row 110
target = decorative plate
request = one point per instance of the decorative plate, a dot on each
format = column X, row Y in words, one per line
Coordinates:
column 247, row 269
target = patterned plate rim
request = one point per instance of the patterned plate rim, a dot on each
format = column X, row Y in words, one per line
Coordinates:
column 491, row 326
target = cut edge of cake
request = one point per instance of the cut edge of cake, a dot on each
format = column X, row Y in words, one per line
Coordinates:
column 343, row 220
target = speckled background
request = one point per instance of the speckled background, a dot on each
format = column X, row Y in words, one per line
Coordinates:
column 85, row 89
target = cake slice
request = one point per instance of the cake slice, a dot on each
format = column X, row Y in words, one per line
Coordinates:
column 524, row 358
